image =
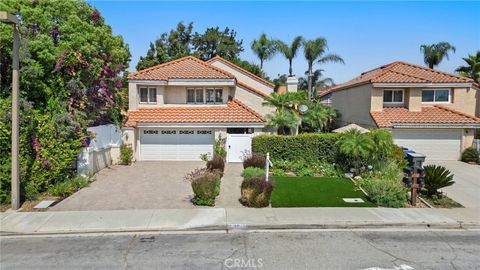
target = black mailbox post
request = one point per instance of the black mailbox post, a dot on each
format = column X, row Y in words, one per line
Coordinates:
column 414, row 175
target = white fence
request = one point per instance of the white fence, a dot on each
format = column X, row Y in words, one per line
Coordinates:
column 103, row 151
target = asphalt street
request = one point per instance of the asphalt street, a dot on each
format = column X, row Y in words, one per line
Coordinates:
column 371, row 250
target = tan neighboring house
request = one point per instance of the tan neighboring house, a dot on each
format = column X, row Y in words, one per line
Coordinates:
column 429, row 111
column 178, row 109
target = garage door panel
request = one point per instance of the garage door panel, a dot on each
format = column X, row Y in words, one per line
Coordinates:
column 436, row 144
column 183, row 144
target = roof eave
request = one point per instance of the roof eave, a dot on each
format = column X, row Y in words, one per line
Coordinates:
column 428, row 85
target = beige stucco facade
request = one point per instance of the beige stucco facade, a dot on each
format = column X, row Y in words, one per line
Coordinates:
column 354, row 105
column 244, row 77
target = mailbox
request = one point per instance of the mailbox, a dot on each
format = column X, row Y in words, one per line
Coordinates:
column 415, row 159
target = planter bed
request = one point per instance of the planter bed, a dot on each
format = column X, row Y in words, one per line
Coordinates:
column 316, row 192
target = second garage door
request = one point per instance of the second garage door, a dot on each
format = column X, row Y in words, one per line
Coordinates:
column 436, row 144
column 175, row 144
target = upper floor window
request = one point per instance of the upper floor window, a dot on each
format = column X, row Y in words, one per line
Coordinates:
column 148, row 95
column 214, row 95
column 195, row 95
column 438, row 95
column 392, row 96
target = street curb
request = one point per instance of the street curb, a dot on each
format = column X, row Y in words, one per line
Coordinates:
column 257, row 227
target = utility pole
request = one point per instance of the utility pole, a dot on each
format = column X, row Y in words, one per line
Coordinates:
column 11, row 19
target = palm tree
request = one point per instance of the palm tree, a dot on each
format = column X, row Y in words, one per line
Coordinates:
column 318, row 117
column 289, row 51
column 315, row 52
column 433, row 54
column 284, row 121
column 473, row 68
column 356, row 145
column 264, row 48
column 282, row 102
column 437, row 177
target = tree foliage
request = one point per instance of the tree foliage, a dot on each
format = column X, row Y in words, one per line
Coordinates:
column 433, row 54
column 318, row 118
column 289, row 52
column 215, row 42
column 264, row 48
column 472, row 69
column 315, row 51
column 71, row 69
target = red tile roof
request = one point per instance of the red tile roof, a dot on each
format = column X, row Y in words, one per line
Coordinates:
column 234, row 112
column 187, row 67
column 228, row 63
column 428, row 116
column 251, row 89
column 400, row 72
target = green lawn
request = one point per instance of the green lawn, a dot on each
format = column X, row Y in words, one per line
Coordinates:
column 315, row 192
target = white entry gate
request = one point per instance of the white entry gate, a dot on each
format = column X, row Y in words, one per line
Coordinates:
column 237, row 146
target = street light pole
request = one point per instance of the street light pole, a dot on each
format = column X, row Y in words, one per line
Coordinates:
column 11, row 19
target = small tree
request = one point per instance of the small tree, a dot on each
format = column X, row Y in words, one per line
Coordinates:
column 356, row 146
column 318, row 117
column 284, row 121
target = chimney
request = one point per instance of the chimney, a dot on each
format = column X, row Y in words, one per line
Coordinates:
column 292, row 84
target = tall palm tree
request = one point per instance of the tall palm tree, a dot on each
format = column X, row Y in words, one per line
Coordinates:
column 315, row 52
column 289, row 51
column 264, row 48
column 472, row 70
column 433, row 54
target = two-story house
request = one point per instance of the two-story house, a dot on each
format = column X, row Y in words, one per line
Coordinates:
column 178, row 109
column 429, row 111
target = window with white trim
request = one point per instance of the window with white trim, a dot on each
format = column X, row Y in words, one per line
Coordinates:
column 392, row 96
column 148, row 95
column 194, row 95
column 436, row 96
column 214, row 95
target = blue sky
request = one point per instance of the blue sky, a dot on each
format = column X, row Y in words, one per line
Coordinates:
column 365, row 34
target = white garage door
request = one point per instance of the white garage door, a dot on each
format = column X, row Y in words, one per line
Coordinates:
column 175, row 144
column 436, row 144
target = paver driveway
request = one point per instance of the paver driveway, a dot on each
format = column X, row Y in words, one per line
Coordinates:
column 144, row 185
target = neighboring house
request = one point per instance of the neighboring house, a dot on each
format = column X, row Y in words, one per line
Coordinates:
column 429, row 111
column 178, row 109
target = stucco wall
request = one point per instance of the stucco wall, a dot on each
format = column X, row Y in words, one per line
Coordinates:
column 462, row 99
column 252, row 100
column 468, row 136
column 354, row 105
column 244, row 78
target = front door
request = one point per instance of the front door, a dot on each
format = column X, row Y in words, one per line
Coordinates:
column 237, row 146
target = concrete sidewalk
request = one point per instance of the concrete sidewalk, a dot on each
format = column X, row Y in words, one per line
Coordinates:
column 235, row 218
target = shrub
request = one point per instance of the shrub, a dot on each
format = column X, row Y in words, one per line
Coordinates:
column 307, row 147
column 126, row 154
column 305, row 172
column 278, row 172
column 256, row 192
column 252, row 172
column 254, row 160
column 216, row 163
column 470, row 155
column 219, row 147
column 65, row 189
column 205, row 185
column 385, row 188
column 436, row 177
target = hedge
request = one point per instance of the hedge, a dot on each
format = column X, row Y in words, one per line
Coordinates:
column 308, row 147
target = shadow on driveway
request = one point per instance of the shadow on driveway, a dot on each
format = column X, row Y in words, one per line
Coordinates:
column 144, row 185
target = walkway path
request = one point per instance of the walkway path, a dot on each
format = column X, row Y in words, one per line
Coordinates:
column 230, row 187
